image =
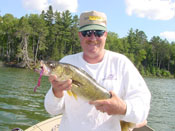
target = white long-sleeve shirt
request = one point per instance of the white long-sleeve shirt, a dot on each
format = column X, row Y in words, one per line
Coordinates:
column 116, row 73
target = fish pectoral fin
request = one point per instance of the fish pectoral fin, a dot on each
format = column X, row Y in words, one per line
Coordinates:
column 75, row 85
column 70, row 93
column 75, row 96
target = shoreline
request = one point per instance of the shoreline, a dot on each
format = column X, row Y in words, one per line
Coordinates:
column 18, row 65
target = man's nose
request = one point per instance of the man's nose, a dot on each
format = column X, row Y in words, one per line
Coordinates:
column 93, row 37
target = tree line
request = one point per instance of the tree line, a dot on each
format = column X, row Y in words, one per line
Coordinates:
column 52, row 35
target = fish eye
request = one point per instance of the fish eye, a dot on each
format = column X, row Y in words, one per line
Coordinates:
column 52, row 65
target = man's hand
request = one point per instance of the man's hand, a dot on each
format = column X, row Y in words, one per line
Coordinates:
column 59, row 86
column 111, row 106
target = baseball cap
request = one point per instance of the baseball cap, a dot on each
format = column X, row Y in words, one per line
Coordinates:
column 92, row 20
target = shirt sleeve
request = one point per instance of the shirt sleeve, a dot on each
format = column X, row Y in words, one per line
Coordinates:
column 136, row 95
column 53, row 105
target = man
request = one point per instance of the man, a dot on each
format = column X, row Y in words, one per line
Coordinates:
column 130, row 99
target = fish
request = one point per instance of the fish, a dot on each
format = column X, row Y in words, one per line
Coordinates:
column 83, row 85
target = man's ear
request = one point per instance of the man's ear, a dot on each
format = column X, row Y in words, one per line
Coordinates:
column 106, row 33
column 79, row 34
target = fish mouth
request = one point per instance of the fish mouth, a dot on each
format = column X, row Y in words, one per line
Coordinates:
column 39, row 66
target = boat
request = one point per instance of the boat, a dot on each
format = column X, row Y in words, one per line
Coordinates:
column 52, row 124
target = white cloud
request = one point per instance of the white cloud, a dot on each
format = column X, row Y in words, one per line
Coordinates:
column 62, row 5
column 35, row 5
column 152, row 9
column 59, row 5
column 169, row 35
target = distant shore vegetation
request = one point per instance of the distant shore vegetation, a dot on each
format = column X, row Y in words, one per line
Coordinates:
column 52, row 35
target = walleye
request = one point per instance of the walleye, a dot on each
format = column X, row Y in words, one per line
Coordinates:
column 83, row 85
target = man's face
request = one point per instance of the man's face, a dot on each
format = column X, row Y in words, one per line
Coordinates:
column 93, row 43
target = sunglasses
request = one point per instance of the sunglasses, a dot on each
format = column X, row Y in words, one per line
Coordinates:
column 97, row 33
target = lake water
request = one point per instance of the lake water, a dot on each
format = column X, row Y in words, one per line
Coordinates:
column 21, row 107
column 162, row 113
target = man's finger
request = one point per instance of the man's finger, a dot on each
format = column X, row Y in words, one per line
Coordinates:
column 96, row 103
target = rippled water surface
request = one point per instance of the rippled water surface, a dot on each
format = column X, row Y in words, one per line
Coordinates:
column 21, row 107
column 162, row 113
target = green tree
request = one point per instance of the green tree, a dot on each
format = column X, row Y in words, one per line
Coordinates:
column 75, row 43
column 8, row 29
column 155, row 42
column 172, row 59
column 113, row 43
column 136, row 53
column 50, row 20
column 38, row 35
column 66, row 39
column 23, row 32
column 58, row 47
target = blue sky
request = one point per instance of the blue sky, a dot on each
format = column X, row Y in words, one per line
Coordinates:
column 154, row 17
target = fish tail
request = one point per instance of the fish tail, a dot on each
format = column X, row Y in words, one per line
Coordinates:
column 126, row 125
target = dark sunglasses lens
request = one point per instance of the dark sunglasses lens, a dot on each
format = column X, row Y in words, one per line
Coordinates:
column 84, row 33
column 99, row 33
